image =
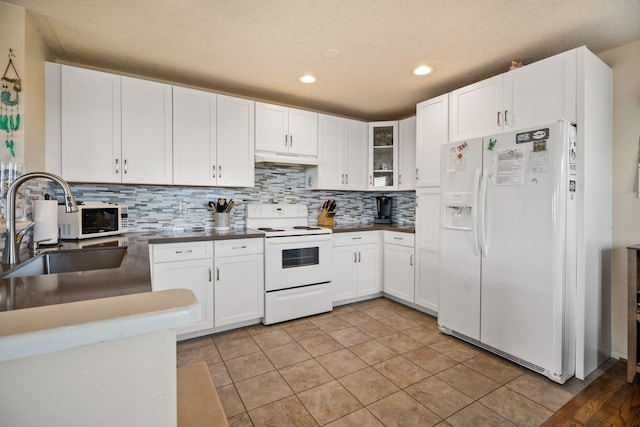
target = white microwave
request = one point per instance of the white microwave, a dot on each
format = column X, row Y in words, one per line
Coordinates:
column 93, row 220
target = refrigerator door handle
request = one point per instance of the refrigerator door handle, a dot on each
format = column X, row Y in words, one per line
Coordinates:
column 474, row 212
column 482, row 232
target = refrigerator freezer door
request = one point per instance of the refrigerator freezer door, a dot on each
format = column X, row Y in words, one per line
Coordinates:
column 523, row 274
column 459, row 303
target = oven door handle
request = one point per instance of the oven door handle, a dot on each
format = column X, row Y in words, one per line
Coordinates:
column 298, row 241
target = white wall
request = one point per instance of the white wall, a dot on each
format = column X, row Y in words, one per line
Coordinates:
column 625, row 61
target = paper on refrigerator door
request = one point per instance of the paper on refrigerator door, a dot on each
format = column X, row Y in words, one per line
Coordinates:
column 509, row 166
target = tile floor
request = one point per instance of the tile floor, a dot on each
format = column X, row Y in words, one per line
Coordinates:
column 373, row 363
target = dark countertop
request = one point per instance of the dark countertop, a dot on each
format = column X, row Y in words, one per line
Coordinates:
column 347, row 228
column 133, row 276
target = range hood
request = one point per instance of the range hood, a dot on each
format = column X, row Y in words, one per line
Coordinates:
column 285, row 159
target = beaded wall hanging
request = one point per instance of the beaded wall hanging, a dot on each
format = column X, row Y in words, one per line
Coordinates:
column 9, row 100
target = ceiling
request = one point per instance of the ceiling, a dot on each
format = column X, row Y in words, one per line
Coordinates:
column 259, row 48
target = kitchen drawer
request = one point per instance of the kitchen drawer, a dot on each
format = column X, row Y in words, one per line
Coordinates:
column 235, row 247
column 168, row 252
column 397, row 238
column 356, row 238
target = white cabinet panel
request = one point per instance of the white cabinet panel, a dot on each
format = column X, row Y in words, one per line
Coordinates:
column 286, row 130
column 147, row 156
column 407, row 154
column 432, row 130
column 342, row 155
column 90, row 125
column 476, row 110
column 398, row 265
column 427, row 248
column 239, row 289
column 235, row 142
column 195, row 275
column 194, row 137
column 356, row 264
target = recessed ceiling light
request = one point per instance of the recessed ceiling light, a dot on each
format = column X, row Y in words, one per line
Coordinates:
column 307, row 78
column 422, row 70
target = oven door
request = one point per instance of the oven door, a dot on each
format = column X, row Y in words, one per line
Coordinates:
column 292, row 261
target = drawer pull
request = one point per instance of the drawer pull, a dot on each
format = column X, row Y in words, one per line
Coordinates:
column 356, row 238
column 398, row 238
column 240, row 247
column 187, row 251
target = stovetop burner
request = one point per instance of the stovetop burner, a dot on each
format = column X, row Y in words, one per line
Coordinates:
column 269, row 229
column 306, row 227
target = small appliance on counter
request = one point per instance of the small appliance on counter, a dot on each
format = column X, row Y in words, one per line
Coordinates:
column 45, row 216
column 383, row 210
column 93, row 220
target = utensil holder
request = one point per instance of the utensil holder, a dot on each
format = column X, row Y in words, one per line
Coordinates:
column 222, row 221
column 325, row 219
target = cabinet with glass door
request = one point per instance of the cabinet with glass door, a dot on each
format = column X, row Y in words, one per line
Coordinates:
column 383, row 155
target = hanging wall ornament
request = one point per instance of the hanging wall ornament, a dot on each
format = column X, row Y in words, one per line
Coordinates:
column 9, row 103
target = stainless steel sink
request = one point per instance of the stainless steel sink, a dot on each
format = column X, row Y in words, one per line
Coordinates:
column 66, row 261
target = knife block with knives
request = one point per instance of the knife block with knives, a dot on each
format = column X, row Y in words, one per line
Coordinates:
column 327, row 213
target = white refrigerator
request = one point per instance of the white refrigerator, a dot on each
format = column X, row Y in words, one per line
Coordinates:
column 508, row 245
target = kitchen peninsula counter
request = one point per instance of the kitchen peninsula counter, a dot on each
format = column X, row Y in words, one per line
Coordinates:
column 132, row 277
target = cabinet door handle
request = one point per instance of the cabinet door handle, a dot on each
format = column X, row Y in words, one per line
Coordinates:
column 290, row 141
column 370, row 179
column 218, row 274
column 210, row 275
column 499, row 114
column 310, row 181
column 286, row 140
column 214, row 171
column 417, row 174
column 341, row 178
column 506, row 120
column 355, row 257
column 346, row 178
column 125, row 165
column 219, row 171
column 359, row 257
column 117, row 165
column 411, row 260
column 399, row 179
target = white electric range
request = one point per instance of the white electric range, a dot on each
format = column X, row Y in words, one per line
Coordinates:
column 297, row 261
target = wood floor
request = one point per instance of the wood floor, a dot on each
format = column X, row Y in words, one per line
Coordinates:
column 608, row 401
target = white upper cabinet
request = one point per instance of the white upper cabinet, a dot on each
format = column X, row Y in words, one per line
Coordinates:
column 383, row 156
column 212, row 139
column 194, row 137
column 235, row 142
column 285, row 130
column 90, row 120
column 542, row 92
column 356, row 150
column 537, row 93
column 342, row 155
column 432, row 129
column 407, row 156
column 476, row 110
column 114, row 129
column 146, row 132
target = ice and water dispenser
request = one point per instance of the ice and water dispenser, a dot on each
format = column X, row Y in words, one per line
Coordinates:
column 458, row 209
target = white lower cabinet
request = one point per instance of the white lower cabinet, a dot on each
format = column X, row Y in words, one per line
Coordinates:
column 356, row 265
column 188, row 266
column 398, row 266
column 227, row 278
column 239, row 281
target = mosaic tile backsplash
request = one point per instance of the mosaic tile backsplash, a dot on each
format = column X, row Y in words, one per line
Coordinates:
column 157, row 207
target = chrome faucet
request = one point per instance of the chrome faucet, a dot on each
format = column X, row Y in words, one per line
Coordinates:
column 12, row 242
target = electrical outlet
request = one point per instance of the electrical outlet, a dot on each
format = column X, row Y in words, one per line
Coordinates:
column 182, row 208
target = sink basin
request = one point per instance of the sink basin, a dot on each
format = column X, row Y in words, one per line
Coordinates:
column 68, row 261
